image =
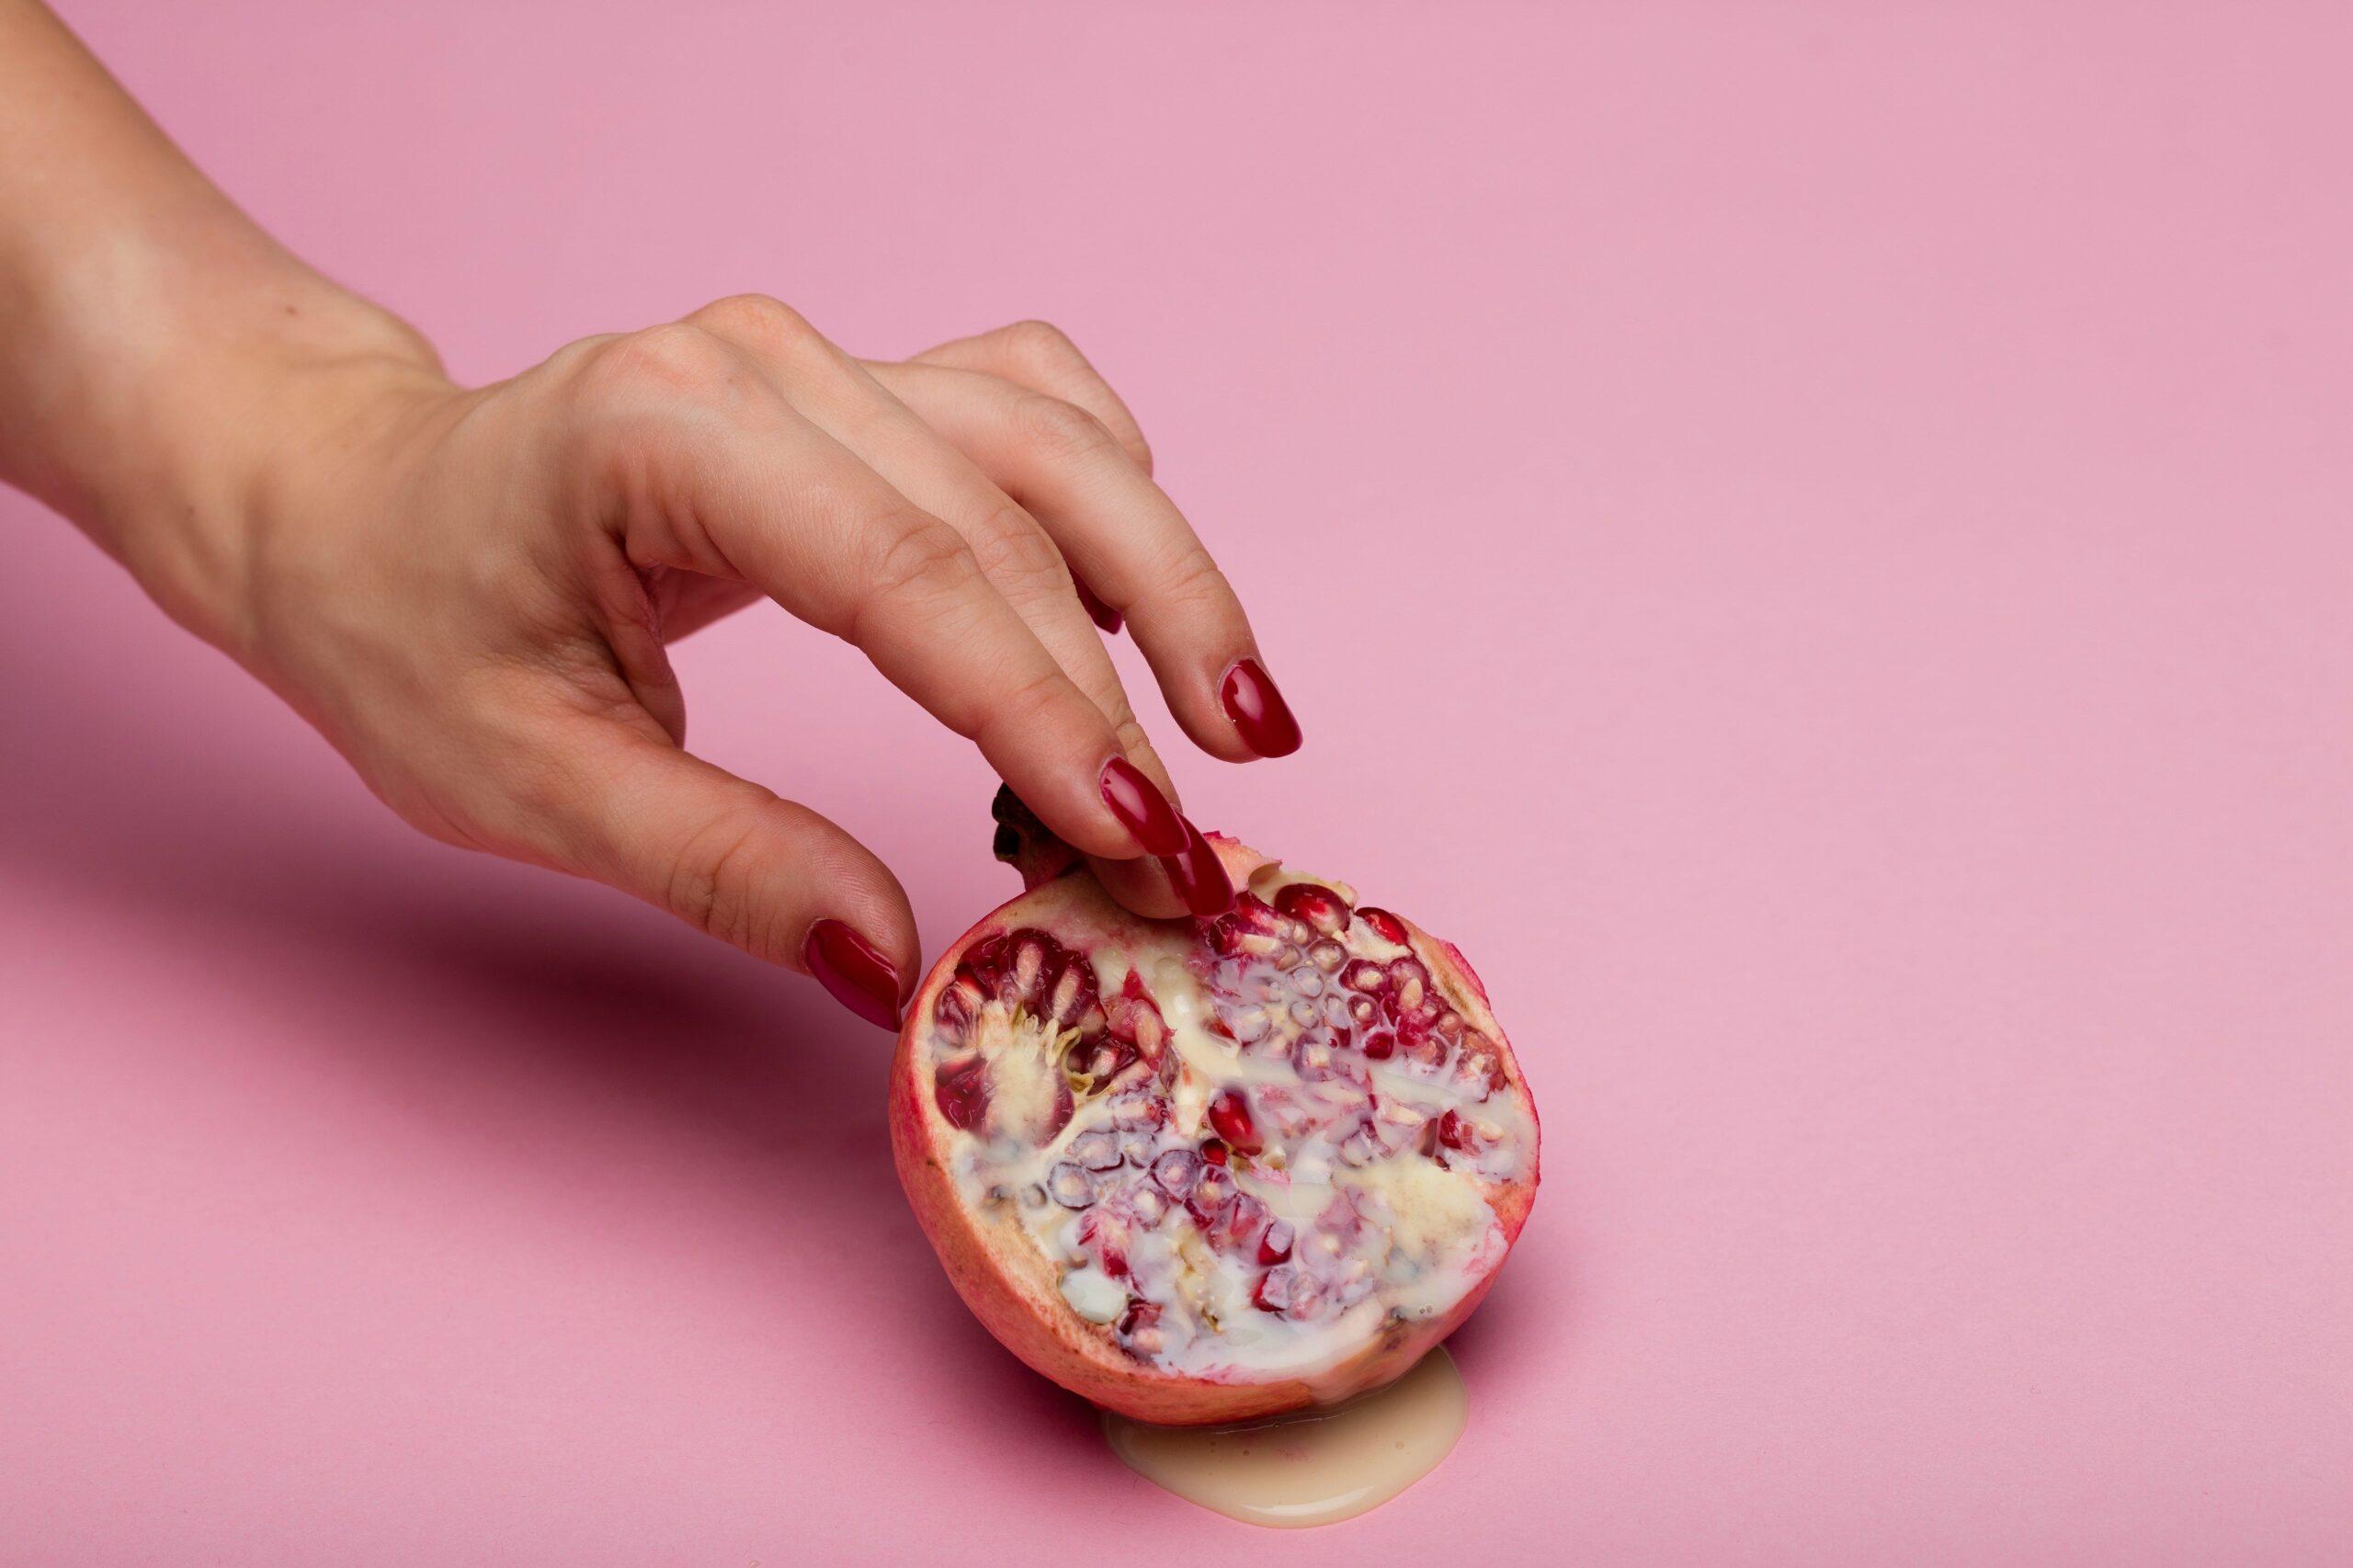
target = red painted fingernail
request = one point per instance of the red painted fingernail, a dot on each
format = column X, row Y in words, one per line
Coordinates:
column 1102, row 614
column 1200, row 876
column 857, row 975
column 1258, row 710
column 1142, row 809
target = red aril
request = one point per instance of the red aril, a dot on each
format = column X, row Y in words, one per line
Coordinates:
column 1200, row 1171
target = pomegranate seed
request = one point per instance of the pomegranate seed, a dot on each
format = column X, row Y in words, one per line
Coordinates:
column 1230, row 1114
column 1407, row 972
column 1210, row 1194
column 1388, row 926
column 1275, row 1245
column 1399, row 1115
column 1070, row 1186
column 1287, row 1290
column 1316, row 1060
column 1097, row 1151
column 1317, row 906
column 1379, row 1045
column 1139, row 1111
column 960, row 1003
column 1453, row 1131
column 1364, row 975
column 1176, row 1171
column 1237, row 1229
column 1213, row 1151
column 962, row 1091
column 1133, row 1019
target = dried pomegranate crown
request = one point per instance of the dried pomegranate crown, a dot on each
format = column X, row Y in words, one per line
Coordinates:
column 1201, row 1170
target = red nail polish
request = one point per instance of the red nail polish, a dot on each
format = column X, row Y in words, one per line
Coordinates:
column 850, row 967
column 1258, row 710
column 1142, row 809
column 1200, row 876
column 1103, row 614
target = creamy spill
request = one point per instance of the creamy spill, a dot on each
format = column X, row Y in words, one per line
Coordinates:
column 1315, row 1466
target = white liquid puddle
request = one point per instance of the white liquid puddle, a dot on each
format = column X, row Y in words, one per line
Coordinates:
column 1313, row 1466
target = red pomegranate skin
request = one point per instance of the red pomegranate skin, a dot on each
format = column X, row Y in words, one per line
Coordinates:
column 1013, row 1289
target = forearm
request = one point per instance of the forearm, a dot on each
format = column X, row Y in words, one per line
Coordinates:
column 155, row 345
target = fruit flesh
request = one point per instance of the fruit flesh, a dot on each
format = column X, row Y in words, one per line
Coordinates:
column 1201, row 1170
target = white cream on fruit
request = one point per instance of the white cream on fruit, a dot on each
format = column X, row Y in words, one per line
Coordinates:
column 1297, row 1153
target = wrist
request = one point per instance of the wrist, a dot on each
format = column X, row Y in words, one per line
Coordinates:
column 183, row 396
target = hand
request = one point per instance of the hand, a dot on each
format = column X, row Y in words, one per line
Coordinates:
column 471, row 591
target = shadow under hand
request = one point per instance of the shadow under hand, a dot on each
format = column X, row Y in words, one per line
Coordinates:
column 181, row 820
column 184, row 818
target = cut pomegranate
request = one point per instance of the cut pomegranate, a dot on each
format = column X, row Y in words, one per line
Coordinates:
column 1205, row 1170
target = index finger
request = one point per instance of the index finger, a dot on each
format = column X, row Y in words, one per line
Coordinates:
column 752, row 490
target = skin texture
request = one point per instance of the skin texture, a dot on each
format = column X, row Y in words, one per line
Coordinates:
column 470, row 591
column 1013, row 1290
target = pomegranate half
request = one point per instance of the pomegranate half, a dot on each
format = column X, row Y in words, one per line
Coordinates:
column 1200, row 1171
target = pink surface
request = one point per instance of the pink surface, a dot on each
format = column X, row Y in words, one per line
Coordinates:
column 1816, row 542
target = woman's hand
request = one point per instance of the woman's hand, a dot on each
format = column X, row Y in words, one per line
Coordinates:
column 471, row 591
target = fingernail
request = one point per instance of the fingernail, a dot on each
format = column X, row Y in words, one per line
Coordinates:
column 1102, row 614
column 1200, row 876
column 1142, row 809
column 850, row 967
column 1258, row 710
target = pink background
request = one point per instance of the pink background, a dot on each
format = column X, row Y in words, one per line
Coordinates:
column 1816, row 541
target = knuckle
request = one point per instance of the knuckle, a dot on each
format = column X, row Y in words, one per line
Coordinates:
column 1133, row 742
column 568, row 361
column 1029, row 708
column 919, row 558
column 766, row 323
column 1040, row 343
column 1195, row 578
column 713, row 883
column 1010, row 547
column 1060, row 430
column 669, row 361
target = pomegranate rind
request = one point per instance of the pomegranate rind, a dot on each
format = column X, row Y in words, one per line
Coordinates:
column 1013, row 1290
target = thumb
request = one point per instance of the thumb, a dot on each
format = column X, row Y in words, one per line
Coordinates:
column 736, row 862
